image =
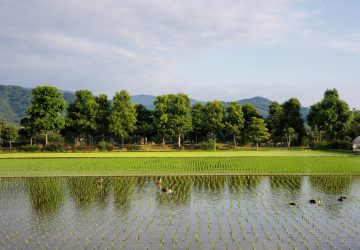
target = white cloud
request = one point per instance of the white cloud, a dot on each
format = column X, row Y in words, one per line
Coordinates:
column 349, row 42
column 140, row 44
column 83, row 45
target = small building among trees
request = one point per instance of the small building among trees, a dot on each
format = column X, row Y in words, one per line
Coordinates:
column 356, row 144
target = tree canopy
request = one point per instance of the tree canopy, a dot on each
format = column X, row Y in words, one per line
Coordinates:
column 234, row 120
column 331, row 115
column 197, row 119
column 179, row 115
column 257, row 131
column 173, row 115
column 274, row 122
column 123, row 116
column 10, row 134
column 98, row 120
column 144, row 123
column 46, row 110
column 213, row 117
column 82, row 115
column 291, row 118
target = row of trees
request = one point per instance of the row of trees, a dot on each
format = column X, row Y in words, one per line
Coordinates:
column 91, row 119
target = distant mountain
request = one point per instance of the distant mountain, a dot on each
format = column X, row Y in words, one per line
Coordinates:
column 14, row 101
column 261, row 103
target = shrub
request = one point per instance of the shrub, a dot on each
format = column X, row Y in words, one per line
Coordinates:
column 208, row 145
column 331, row 145
column 55, row 138
column 133, row 148
column 105, row 146
column 54, row 148
column 30, row 148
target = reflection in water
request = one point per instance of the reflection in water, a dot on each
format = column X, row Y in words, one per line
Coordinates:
column 332, row 185
column 249, row 183
column 86, row 191
column 286, row 182
column 46, row 194
column 123, row 188
column 203, row 212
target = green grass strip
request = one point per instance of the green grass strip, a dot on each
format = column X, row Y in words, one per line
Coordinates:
column 180, row 154
column 179, row 166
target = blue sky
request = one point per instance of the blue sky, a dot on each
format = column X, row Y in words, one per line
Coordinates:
column 228, row 50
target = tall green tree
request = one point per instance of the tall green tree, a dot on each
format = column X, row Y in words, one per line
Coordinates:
column 257, row 131
column 197, row 119
column 102, row 116
column 213, row 117
column 249, row 111
column 123, row 116
column 10, row 134
column 355, row 125
column 82, row 114
column 290, row 134
column 274, row 122
column 234, row 120
column 161, row 115
column 46, row 110
column 331, row 115
column 28, row 131
column 316, row 132
column 173, row 115
column 144, row 123
column 179, row 113
column 291, row 118
column 2, row 126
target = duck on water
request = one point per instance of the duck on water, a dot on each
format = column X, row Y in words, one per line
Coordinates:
column 166, row 190
column 315, row 201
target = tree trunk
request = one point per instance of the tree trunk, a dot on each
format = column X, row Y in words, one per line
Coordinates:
column 145, row 141
column 122, row 142
column 234, row 140
column 289, row 142
column 31, row 141
column 196, row 139
column 257, row 145
column 46, row 139
column 163, row 141
column 10, row 144
column 179, row 141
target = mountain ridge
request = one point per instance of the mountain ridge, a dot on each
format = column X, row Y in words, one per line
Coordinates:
column 14, row 101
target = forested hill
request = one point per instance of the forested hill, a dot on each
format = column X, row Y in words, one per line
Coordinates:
column 14, row 101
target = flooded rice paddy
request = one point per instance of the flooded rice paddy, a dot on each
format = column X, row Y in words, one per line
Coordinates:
column 202, row 212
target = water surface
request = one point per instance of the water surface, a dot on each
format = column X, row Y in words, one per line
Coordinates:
column 203, row 212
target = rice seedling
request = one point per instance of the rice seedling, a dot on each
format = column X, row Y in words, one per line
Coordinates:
column 144, row 163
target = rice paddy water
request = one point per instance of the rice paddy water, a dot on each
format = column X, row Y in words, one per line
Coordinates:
column 202, row 212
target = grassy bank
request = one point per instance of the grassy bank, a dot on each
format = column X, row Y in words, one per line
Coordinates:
column 173, row 154
column 329, row 164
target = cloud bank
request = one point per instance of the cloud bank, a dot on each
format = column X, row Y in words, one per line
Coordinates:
column 142, row 46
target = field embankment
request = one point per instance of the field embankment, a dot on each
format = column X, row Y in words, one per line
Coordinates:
column 173, row 154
